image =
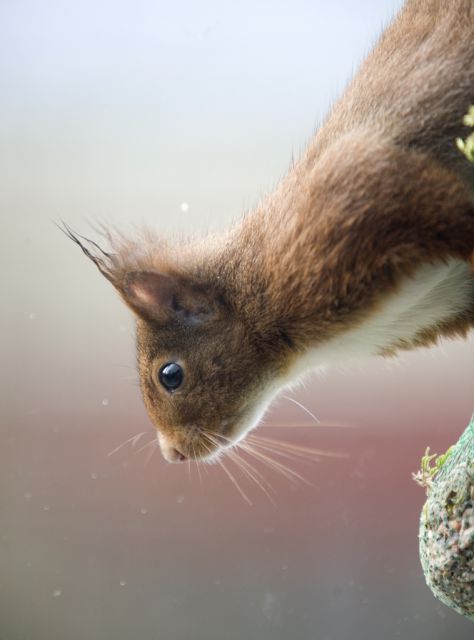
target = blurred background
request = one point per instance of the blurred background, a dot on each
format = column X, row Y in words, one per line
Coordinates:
column 181, row 115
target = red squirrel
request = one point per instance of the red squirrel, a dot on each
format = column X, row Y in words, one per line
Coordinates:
column 365, row 247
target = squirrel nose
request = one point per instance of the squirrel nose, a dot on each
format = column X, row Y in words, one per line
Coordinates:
column 172, row 454
column 177, row 455
column 170, row 451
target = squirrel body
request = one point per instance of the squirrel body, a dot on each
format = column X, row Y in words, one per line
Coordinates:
column 364, row 248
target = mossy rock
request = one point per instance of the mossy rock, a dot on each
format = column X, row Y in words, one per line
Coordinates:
column 447, row 528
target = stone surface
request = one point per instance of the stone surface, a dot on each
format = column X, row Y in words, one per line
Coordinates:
column 447, row 529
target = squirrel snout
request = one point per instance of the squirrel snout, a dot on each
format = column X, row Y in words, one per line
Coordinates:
column 171, row 453
column 177, row 456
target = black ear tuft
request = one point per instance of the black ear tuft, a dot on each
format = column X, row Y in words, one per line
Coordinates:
column 153, row 295
column 103, row 261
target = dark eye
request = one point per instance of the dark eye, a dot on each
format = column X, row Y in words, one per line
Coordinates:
column 171, row 376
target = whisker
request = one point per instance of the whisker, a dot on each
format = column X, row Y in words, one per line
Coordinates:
column 188, row 465
column 197, row 465
column 297, row 449
column 302, row 407
column 214, row 439
column 235, row 483
column 151, row 452
column 134, row 439
column 245, row 466
column 291, row 455
column 290, row 424
column 209, row 437
column 259, row 449
column 145, row 446
column 206, row 447
column 252, row 473
column 289, row 473
column 203, row 462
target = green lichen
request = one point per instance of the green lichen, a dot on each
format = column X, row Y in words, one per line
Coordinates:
column 430, row 466
column 467, row 146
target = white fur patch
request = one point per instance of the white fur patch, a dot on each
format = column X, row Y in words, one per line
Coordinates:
column 434, row 294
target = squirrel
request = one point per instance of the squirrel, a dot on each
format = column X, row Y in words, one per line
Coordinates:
column 364, row 248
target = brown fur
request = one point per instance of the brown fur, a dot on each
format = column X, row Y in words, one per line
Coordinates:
column 380, row 191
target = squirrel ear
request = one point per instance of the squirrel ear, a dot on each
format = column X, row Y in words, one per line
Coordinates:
column 153, row 295
column 160, row 297
column 148, row 291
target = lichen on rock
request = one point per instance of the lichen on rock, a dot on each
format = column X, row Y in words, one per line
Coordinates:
column 447, row 528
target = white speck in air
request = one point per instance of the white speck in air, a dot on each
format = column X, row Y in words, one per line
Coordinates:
column 105, row 402
column 94, row 476
column 143, row 511
column 270, row 607
column 180, row 499
column 57, row 593
column 46, row 507
column 184, row 207
column 31, row 316
column 28, row 495
column 122, row 583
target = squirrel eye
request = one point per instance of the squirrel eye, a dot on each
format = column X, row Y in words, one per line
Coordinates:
column 171, row 376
